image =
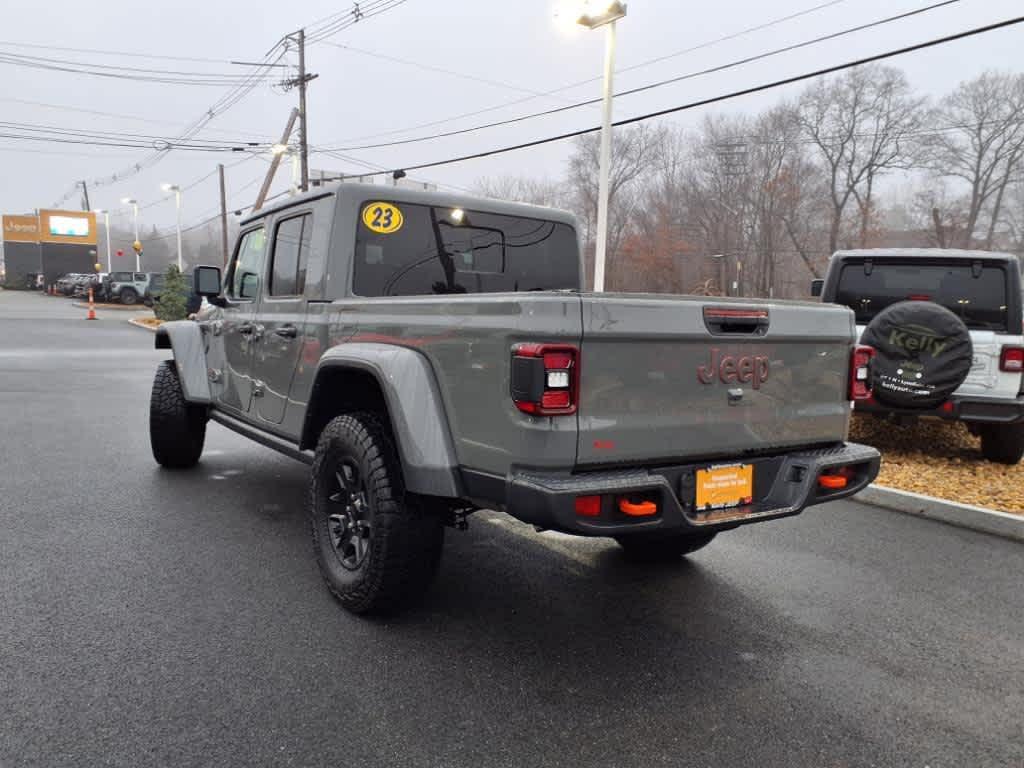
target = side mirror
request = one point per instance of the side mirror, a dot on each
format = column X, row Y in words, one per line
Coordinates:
column 206, row 281
column 816, row 287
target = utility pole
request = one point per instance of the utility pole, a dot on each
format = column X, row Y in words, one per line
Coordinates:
column 223, row 216
column 302, row 81
column 303, row 135
column 272, row 170
column 85, row 194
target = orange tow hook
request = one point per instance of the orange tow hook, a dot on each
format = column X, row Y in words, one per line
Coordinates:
column 639, row 509
column 832, row 482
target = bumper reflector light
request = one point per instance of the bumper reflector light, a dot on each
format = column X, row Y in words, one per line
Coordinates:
column 588, row 506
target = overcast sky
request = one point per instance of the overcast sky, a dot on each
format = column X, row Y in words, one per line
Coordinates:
column 359, row 96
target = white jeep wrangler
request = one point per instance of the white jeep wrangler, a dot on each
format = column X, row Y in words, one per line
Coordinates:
column 946, row 326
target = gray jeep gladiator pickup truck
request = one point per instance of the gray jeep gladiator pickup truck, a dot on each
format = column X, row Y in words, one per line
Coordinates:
column 429, row 355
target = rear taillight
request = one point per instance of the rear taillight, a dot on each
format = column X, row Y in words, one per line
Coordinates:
column 860, row 372
column 1012, row 360
column 545, row 378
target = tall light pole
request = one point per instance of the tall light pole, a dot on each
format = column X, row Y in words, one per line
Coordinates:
column 137, row 245
column 176, row 189
column 106, row 224
column 283, row 150
column 594, row 14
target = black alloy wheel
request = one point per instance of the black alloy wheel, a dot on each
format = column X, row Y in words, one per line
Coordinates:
column 349, row 516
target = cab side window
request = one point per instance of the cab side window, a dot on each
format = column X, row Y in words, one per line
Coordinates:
column 248, row 266
column 291, row 255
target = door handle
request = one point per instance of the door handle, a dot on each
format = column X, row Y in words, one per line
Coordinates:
column 287, row 331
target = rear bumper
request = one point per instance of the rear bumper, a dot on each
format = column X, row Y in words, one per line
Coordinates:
column 978, row 409
column 784, row 484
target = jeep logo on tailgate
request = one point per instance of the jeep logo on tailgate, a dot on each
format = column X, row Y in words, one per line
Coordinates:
column 730, row 369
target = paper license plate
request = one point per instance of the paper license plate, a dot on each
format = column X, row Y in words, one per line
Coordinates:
column 724, row 487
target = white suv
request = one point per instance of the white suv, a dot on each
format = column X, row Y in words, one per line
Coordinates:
column 948, row 331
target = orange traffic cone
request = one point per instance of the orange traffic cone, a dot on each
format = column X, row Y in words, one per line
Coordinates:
column 92, row 307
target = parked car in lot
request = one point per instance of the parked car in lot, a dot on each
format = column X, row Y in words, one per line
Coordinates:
column 66, row 284
column 127, row 287
column 431, row 354
column 946, row 327
column 96, row 282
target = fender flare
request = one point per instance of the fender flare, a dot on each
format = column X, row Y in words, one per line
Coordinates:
column 418, row 420
column 185, row 338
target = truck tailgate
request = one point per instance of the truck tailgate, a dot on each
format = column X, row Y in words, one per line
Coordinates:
column 670, row 377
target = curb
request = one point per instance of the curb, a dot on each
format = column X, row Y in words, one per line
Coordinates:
column 138, row 324
column 962, row 515
column 115, row 307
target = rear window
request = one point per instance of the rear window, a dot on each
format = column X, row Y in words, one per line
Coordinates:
column 436, row 250
column 978, row 298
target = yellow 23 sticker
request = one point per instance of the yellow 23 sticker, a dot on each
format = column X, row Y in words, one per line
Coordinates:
column 383, row 218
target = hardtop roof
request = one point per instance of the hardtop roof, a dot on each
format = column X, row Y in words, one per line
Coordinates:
column 353, row 191
column 922, row 253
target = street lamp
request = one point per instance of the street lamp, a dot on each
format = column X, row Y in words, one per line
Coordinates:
column 593, row 14
column 283, row 150
column 137, row 245
column 177, row 201
column 106, row 222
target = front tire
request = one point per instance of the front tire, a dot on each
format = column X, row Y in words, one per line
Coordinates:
column 650, row 549
column 377, row 549
column 1002, row 443
column 128, row 296
column 177, row 428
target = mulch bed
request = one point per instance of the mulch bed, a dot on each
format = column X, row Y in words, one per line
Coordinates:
column 941, row 459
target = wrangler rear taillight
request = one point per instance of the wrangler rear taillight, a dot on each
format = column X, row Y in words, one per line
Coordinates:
column 545, row 378
column 1012, row 360
column 860, row 372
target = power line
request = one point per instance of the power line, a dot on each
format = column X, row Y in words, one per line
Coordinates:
column 147, row 140
column 560, row 89
column 117, row 53
column 661, row 83
column 375, row 169
column 122, row 116
column 164, row 77
column 358, row 12
column 443, row 71
column 731, row 95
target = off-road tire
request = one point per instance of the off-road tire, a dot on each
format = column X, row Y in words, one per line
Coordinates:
column 128, row 296
column 177, row 428
column 405, row 538
column 652, row 549
column 1002, row 443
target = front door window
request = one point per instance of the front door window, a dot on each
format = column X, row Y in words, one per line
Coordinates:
column 248, row 267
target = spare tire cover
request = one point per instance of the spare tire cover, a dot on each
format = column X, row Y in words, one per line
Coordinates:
column 923, row 354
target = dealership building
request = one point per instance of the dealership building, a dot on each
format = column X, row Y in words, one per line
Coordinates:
column 49, row 243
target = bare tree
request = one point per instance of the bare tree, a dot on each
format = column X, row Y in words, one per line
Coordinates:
column 980, row 140
column 634, row 152
column 522, row 189
column 863, row 124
